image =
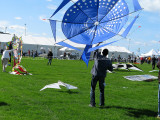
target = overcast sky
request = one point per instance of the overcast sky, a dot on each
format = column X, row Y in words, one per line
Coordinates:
column 16, row 13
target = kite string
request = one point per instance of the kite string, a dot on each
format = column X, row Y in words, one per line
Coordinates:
column 121, row 38
column 123, row 16
column 117, row 33
column 69, row 22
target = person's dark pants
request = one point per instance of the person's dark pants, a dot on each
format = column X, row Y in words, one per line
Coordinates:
column 101, row 88
column 153, row 65
column 50, row 61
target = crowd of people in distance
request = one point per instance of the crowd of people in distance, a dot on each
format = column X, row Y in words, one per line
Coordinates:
column 136, row 60
column 70, row 56
column 130, row 59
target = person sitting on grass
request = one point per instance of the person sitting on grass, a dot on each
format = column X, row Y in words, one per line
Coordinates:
column 99, row 70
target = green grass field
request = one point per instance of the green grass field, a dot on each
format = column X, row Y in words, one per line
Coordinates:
column 21, row 99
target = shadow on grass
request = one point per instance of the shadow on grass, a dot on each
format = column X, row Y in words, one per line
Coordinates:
column 3, row 104
column 69, row 92
column 133, row 112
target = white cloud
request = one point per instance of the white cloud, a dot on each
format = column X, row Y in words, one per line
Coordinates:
column 140, row 43
column 18, row 18
column 52, row 7
column 44, row 34
column 151, row 5
column 3, row 26
column 4, row 23
column 49, row 0
column 154, row 42
column 16, row 29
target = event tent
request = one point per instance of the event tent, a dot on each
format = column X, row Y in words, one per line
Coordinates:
column 117, row 50
column 37, row 43
column 150, row 53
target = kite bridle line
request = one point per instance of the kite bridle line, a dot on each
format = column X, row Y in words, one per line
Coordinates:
column 118, row 18
column 123, row 15
column 68, row 22
column 121, row 38
column 100, row 22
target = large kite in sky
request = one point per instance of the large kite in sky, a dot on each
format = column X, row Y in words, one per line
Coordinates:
column 91, row 22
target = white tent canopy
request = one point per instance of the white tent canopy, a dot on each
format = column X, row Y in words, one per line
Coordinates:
column 36, row 43
column 29, row 40
column 5, row 37
column 150, row 53
column 66, row 49
column 116, row 49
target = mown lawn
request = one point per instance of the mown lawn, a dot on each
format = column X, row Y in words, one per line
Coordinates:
column 20, row 98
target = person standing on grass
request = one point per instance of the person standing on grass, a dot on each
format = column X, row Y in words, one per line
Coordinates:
column 99, row 71
column 153, row 62
column 5, row 58
column 29, row 52
column 50, row 57
column 158, row 66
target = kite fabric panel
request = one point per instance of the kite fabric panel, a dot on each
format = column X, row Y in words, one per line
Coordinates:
column 95, row 48
column 136, row 5
column 103, row 8
column 120, row 10
column 83, row 16
column 77, row 30
column 61, row 6
column 67, row 45
column 82, row 9
column 125, row 33
column 86, row 55
column 53, row 27
column 84, row 37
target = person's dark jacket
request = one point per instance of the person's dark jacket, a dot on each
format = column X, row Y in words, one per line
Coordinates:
column 101, row 65
column 50, row 55
column 158, row 66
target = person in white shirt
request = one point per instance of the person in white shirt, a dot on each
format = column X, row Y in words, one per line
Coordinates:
column 5, row 57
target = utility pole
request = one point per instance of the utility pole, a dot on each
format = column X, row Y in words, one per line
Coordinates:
column 129, row 44
column 5, row 29
column 25, row 29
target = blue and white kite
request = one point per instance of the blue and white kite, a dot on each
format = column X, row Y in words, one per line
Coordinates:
column 91, row 22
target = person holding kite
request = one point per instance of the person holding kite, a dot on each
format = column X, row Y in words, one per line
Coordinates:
column 99, row 70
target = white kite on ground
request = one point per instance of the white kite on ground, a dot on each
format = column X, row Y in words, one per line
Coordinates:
column 126, row 67
column 57, row 86
column 140, row 77
column 154, row 71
